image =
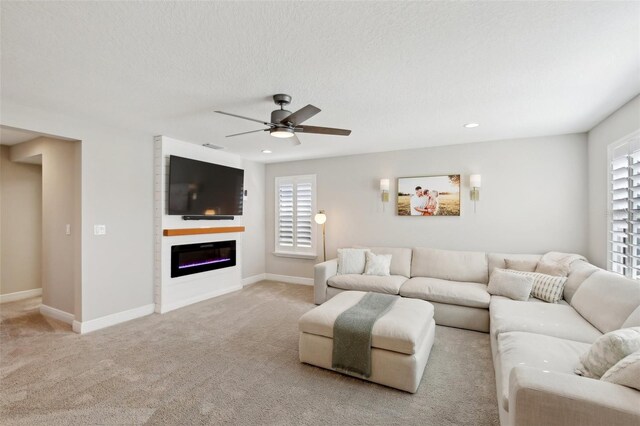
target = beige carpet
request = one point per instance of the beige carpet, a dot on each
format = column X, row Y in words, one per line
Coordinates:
column 229, row 360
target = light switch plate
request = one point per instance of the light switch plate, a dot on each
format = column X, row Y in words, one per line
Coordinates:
column 67, row 229
column 99, row 229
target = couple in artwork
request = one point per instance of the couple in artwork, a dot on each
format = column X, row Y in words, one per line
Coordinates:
column 424, row 202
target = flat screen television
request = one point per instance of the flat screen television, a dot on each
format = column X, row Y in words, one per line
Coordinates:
column 198, row 188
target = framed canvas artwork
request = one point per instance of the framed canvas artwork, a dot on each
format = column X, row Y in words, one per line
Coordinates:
column 429, row 196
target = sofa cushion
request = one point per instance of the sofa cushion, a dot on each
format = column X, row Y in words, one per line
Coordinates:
column 400, row 259
column 465, row 266
column 606, row 300
column 535, row 350
column 402, row 329
column 381, row 284
column 534, row 316
column 578, row 272
column 497, row 260
column 444, row 291
column 633, row 320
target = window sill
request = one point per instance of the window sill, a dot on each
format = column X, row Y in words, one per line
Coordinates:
column 295, row 255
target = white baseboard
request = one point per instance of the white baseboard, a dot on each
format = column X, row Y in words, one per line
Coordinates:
column 54, row 313
column 164, row 308
column 113, row 319
column 19, row 295
column 289, row 279
column 253, row 279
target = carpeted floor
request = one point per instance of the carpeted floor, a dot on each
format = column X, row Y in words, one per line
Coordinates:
column 229, row 360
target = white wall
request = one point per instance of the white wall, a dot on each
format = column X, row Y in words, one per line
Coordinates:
column 253, row 240
column 20, row 225
column 117, row 190
column 59, row 209
column 172, row 293
column 533, row 199
column 621, row 123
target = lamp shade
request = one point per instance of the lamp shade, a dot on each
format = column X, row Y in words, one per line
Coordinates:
column 475, row 181
column 320, row 217
column 384, row 184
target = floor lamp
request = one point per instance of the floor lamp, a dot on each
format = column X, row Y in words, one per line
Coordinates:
column 320, row 219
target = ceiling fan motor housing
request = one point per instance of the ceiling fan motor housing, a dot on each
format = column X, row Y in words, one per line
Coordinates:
column 279, row 114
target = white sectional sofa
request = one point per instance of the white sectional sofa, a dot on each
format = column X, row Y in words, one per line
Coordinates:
column 536, row 345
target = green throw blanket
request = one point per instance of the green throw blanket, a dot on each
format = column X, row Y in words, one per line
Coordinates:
column 352, row 333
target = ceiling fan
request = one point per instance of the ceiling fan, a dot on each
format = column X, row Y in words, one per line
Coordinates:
column 285, row 124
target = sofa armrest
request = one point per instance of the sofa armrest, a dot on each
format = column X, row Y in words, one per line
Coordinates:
column 321, row 273
column 549, row 398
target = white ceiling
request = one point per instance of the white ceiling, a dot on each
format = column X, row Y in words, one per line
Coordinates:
column 400, row 75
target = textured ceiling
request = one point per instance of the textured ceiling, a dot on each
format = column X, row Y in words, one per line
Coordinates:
column 400, row 75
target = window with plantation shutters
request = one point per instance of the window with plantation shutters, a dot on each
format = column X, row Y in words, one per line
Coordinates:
column 624, row 219
column 295, row 209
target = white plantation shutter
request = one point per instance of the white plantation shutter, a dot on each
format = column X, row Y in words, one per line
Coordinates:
column 295, row 209
column 624, row 221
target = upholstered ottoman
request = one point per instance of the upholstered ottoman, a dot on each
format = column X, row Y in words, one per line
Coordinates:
column 401, row 339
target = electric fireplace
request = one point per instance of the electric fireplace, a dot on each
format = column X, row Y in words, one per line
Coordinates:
column 190, row 259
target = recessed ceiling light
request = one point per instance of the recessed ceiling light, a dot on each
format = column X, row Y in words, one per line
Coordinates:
column 471, row 125
column 266, row 151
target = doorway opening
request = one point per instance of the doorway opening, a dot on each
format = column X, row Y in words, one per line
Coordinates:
column 40, row 229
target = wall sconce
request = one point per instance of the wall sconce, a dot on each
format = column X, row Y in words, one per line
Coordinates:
column 475, row 181
column 320, row 218
column 384, row 190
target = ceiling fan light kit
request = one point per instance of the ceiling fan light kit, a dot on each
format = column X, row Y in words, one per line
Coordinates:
column 282, row 132
column 285, row 124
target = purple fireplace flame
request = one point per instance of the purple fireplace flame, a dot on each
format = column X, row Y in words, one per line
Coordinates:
column 206, row 262
column 190, row 259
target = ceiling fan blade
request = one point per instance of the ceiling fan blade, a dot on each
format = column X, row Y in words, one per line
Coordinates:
column 300, row 115
column 295, row 140
column 246, row 118
column 244, row 133
column 323, row 130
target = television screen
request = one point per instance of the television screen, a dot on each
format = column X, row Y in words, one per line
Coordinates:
column 207, row 189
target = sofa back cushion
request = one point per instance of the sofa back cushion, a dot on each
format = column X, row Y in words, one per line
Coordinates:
column 606, row 300
column 496, row 260
column 466, row 266
column 579, row 271
column 400, row 259
column 633, row 320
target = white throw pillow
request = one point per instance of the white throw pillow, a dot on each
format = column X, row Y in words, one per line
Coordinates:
column 608, row 350
column 626, row 372
column 545, row 287
column 552, row 268
column 351, row 261
column 377, row 264
column 521, row 265
column 506, row 283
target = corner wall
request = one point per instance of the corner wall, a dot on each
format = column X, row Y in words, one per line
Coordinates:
column 59, row 209
column 621, row 123
column 533, row 199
